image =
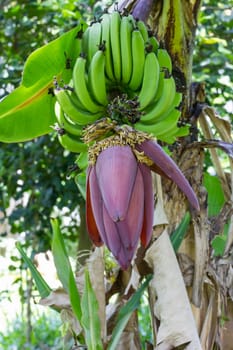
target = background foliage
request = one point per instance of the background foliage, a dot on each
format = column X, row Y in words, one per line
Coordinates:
column 213, row 54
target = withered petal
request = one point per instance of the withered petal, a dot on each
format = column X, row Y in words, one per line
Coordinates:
column 116, row 169
column 147, row 227
column 168, row 166
column 90, row 220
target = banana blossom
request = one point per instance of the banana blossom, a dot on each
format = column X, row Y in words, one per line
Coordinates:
column 120, row 200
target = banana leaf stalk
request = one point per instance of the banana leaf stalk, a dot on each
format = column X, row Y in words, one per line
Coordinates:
column 119, row 199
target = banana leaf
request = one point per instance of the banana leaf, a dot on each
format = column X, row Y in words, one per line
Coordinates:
column 64, row 270
column 28, row 112
column 178, row 235
column 42, row 286
column 90, row 317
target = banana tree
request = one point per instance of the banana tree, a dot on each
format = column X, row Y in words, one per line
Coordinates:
column 114, row 92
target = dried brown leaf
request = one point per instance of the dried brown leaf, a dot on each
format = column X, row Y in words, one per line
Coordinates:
column 58, row 298
column 201, row 229
column 187, row 268
column 172, row 308
column 214, row 155
column 95, row 265
column 225, row 146
column 130, row 337
column 160, row 217
column 71, row 323
column 134, row 280
column 209, row 327
column 222, row 126
column 128, row 342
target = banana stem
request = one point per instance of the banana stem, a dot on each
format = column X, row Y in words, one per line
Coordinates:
column 174, row 23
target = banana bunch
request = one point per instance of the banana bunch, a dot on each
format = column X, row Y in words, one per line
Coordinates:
column 120, row 57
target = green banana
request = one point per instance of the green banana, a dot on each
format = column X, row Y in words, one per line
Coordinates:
column 164, row 60
column 126, row 49
column 152, row 44
column 65, row 123
column 176, row 101
column 75, row 100
column 105, row 39
column 115, row 43
column 150, row 80
column 72, row 143
column 80, row 86
column 160, row 86
column 96, row 78
column 173, row 105
column 121, row 54
column 170, row 128
column 82, row 160
column 143, row 29
column 161, row 129
column 138, row 57
column 78, row 116
column 180, row 131
column 132, row 20
column 155, row 111
column 94, row 40
column 85, row 40
column 172, row 135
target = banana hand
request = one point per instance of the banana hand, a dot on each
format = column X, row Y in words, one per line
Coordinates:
column 164, row 129
column 80, row 86
column 115, row 43
column 150, row 80
column 78, row 116
column 138, row 57
column 96, row 78
column 72, row 143
column 65, row 123
column 105, row 39
column 126, row 49
column 155, row 111
column 94, row 40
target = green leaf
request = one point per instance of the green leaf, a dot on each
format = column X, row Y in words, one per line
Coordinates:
column 215, row 194
column 177, row 236
column 80, row 181
column 219, row 241
column 74, row 296
column 42, row 286
column 218, row 244
column 64, row 270
column 90, row 318
column 125, row 313
column 51, row 60
column 28, row 112
column 82, row 160
column 60, row 256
